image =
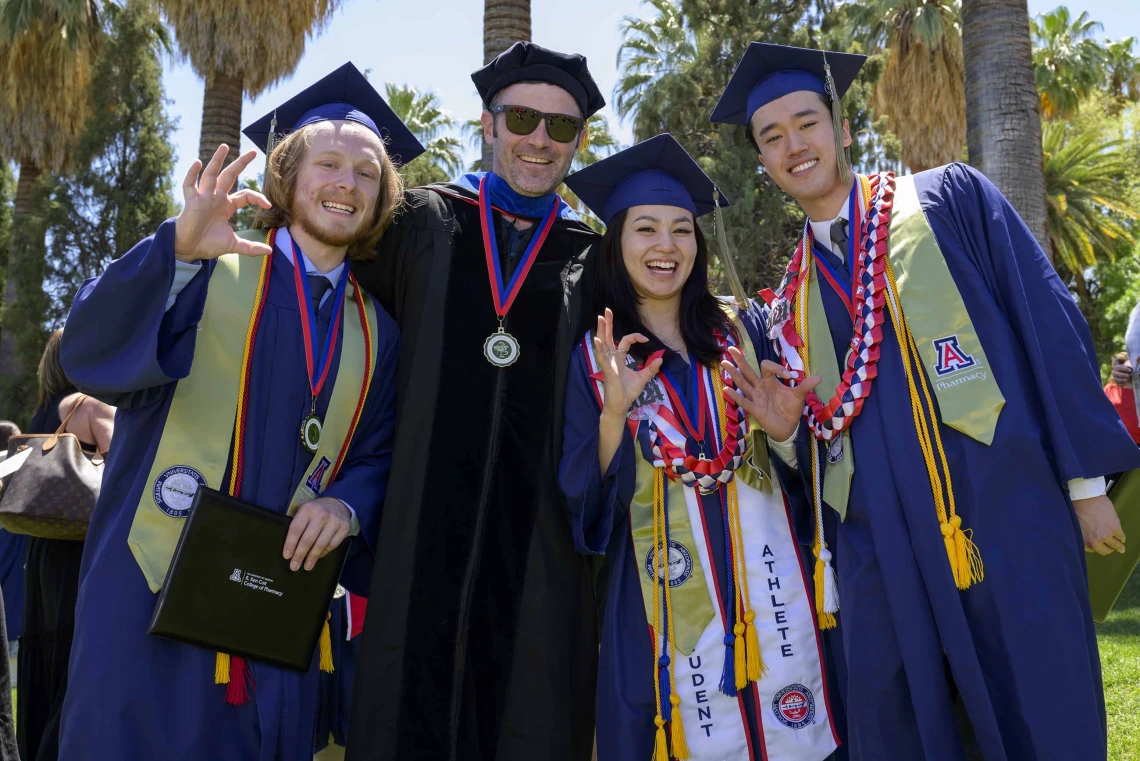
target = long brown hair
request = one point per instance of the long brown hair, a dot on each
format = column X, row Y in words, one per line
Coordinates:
column 702, row 315
column 52, row 379
column 281, row 186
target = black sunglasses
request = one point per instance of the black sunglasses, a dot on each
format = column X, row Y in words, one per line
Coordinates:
column 522, row 121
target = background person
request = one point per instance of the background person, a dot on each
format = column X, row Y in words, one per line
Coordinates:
column 1120, row 393
column 51, row 575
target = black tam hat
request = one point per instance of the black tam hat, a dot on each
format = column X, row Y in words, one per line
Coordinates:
column 527, row 62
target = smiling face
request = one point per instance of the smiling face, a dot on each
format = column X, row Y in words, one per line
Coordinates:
column 534, row 164
column 797, row 149
column 338, row 182
column 659, row 246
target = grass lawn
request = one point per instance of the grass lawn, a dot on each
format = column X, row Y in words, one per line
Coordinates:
column 1119, row 639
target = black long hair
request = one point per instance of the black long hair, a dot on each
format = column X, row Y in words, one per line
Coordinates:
column 702, row 314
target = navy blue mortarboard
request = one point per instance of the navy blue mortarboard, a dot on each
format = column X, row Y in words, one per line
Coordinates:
column 767, row 72
column 342, row 95
column 657, row 171
column 527, row 62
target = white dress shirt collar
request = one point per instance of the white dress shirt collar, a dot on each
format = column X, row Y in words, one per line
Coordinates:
column 285, row 243
column 821, row 231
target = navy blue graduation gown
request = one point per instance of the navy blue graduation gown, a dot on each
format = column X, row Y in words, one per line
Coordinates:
column 599, row 519
column 1020, row 646
column 134, row 697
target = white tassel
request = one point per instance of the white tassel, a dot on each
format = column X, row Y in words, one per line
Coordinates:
column 830, row 584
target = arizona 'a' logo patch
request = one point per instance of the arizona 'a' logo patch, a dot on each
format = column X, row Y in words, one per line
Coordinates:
column 318, row 475
column 950, row 357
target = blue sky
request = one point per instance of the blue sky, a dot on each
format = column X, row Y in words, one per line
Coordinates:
column 436, row 44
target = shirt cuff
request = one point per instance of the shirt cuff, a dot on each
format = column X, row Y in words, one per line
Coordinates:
column 355, row 530
column 786, row 449
column 184, row 272
column 1086, row 488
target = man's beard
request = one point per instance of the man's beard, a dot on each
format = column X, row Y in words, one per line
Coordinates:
column 329, row 237
column 513, row 181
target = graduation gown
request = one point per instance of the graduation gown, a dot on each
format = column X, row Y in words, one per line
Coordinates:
column 130, row 694
column 1020, row 646
column 481, row 641
column 599, row 517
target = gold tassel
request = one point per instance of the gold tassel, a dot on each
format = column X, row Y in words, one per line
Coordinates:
column 965, row 559
column 326, row 647
column 841, row 159
column 740, row 662
column 739, row 295
column 756, row 667
column 222, row 668
column 677, row 730
column 660, row 747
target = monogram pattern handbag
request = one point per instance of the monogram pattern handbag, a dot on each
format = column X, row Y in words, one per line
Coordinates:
column 53, row 493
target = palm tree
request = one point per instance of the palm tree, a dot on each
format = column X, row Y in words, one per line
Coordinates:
column 1003, row 124
column 651, row 50
column 600, row 142
column 922, row 87
column 46, row 52
column 505, row 22
column 1123, row 70
column 240, row 48
column 1087, row 200
column 1068, row 60
column 422, row 113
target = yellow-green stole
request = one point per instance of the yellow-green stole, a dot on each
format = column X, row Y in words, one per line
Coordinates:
column 954, row 361
column 204, row 414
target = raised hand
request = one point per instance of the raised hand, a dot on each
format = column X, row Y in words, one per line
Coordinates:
column 776, row 407
column 623, row 384
column 202, row 230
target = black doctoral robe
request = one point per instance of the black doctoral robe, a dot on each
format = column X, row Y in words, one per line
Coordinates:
column 481, row 639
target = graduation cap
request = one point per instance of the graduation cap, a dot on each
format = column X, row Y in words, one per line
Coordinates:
column 655, row 172
column 342, row 95
column 767, row 72
column 527, row 62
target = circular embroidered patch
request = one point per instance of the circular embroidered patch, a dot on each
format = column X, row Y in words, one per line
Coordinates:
column 794, row 706
column 680, row 564
column 174, row 489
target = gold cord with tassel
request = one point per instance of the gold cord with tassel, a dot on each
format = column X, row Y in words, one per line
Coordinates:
column 753, row 662
column 965, row 558
column 660, row 746
column 824, row 581
column 676, row 726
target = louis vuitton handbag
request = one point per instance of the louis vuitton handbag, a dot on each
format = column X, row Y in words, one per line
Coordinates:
column 53, row 491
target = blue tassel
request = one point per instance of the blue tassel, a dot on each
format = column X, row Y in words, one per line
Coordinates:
column 728, row 675
column 663, row 677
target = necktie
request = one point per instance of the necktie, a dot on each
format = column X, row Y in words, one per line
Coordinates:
column 318, row 284
column 837, row 255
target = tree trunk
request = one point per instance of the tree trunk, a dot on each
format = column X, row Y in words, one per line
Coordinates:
column 221, row 117
column 505, row 22
column 25, row 302
column 1003, row 123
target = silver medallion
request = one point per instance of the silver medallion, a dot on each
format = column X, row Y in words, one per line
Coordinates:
column 501, row 349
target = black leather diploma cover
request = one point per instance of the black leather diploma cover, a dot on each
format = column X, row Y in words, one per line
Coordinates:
column 230, row 590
